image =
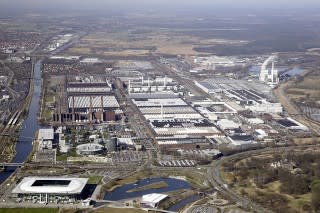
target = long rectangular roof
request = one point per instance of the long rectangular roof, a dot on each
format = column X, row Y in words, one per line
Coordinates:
column 96, row 101
column 50, row 185
column 160, row 102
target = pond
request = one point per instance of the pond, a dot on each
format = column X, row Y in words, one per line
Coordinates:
column 182, row 203
column 126, row 191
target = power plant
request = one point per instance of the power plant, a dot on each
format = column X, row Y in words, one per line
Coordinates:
column 269, row 76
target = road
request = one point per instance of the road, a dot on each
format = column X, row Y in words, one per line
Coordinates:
column 216, row 179
column 292, row 109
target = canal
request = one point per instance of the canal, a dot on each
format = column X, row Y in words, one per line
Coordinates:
column 29, row 125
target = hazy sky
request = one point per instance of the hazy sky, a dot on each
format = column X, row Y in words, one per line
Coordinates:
column 38, row 5
column 168, row 3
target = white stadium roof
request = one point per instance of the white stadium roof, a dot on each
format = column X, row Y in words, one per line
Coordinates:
column 50, row 185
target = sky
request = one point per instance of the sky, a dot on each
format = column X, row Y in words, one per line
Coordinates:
column 74, row 5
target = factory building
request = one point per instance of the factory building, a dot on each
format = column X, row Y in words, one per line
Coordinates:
column 266, row 107
column 49, row 190
column 151, row 85
column 226, row 124
column 45, row 138
column 88, row 102
column 159, row 102
column 292, row 124
column 208, row 88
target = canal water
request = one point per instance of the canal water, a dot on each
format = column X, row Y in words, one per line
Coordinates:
column 182, row 203
column 122, row 192
column 29, row 125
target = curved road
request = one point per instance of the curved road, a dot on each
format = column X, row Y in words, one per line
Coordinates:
column 218, row 182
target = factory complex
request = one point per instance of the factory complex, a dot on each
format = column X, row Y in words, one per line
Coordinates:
column 87, row 101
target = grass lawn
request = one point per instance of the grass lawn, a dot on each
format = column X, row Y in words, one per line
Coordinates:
column 49, row 98
column 28, row 210
column 94, row 179
column 118, row 210
column 156, row 185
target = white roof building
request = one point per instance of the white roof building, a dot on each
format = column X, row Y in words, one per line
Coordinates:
column 255, row 121
column 46, row 134
column 152, row 200
column 50, row 185
column 160, row 102
column 94, row 102
column 227, row 124
column 261, row 134
column 45, row 138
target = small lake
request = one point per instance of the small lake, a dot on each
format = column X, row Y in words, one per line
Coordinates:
column 121, row 192
column 182, row 203
column 282, row 70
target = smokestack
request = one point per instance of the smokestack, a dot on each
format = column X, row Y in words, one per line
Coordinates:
column 148, row 82
column 101, row 119
column 272, row 72
column 73, row 115
column 162, row 110
column 129, row 90
column 90, row 116
column 165, row 81
column 142, row 81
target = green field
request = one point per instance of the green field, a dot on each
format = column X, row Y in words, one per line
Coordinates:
column 157, row 185
column 94, row 179
column 28, row 210
column 118, row 210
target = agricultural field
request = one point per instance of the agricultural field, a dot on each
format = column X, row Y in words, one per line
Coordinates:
column 142, row 44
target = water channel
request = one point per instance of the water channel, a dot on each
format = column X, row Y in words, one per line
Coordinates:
column 29, row 125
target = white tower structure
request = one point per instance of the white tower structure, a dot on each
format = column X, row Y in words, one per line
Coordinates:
column 267, row 76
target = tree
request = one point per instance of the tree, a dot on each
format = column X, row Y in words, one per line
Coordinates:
column 315, row 196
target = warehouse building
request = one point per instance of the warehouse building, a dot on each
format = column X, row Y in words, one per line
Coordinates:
column 45, row 138
column 152, row 200
column 292, row 124
column 50, row 190
column 159, row 102
column 266, row 107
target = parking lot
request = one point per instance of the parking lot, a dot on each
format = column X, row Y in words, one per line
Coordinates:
column 178, row 163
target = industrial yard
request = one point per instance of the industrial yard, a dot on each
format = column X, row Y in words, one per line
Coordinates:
column 143, row 111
